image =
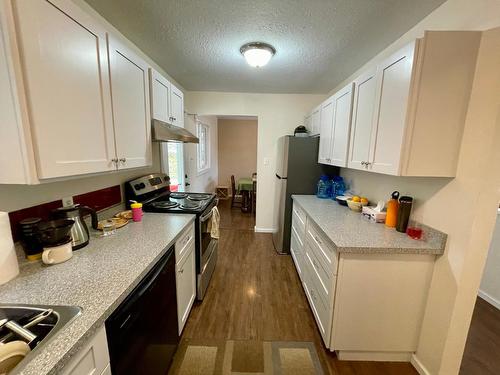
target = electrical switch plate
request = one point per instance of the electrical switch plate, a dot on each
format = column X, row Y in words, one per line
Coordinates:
column 266, row 161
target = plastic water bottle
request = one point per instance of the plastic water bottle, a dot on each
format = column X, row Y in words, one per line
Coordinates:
column 323, row 187
column 338, row 187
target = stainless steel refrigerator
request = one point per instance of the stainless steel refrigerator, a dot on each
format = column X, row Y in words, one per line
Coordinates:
column 297, row 172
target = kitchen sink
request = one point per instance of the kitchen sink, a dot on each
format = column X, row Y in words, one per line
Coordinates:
column 43, row 321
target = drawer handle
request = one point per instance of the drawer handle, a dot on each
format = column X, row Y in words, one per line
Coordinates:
column 181, row 271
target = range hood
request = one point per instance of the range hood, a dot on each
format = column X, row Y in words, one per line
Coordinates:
column 163, row 132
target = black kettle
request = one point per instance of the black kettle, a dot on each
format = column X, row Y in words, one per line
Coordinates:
column 79, row 231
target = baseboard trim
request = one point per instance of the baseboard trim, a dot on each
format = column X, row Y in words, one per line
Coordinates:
column 421, row 369
column 492, row 301
column 263, row 230
column 347, row 355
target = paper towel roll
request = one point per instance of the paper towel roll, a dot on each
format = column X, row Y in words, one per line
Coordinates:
column 9, row 268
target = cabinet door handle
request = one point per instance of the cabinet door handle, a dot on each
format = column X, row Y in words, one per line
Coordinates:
column 363, row 162
column 114, row 160
column 123, row 160
column 181, row 271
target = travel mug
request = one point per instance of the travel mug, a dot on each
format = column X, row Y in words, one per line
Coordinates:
column 404, row 211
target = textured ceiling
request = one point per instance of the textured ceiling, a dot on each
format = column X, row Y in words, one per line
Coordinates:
column 318, row 42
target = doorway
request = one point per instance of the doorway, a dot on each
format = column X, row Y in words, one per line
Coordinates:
column 237, row 160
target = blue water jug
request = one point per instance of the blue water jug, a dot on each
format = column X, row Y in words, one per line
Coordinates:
column 338, row 187
column 323, row 187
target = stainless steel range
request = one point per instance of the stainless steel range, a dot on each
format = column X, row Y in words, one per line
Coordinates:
column 153, row 191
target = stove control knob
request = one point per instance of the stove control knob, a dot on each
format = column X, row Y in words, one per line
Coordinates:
column 139, row 186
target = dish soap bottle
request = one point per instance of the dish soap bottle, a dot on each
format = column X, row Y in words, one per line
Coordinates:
column 392, row 210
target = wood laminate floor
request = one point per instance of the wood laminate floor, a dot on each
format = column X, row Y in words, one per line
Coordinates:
column 255, row 294
column 481, row 349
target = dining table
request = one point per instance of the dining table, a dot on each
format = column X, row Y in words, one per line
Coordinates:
column 245, row 187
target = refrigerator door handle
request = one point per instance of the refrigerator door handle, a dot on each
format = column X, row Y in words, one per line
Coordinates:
column 281, row 178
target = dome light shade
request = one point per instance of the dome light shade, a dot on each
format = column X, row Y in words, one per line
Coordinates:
column 257, row 54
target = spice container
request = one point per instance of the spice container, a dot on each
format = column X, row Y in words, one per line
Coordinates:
column 136, row 211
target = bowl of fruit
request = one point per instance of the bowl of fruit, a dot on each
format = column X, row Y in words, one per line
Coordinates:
column 356, row 203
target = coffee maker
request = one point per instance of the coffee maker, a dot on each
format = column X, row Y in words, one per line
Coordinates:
column 79, row 231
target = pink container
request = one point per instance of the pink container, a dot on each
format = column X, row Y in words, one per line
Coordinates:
column 136, row 211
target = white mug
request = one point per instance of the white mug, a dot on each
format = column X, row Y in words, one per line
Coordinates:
column 57, row 254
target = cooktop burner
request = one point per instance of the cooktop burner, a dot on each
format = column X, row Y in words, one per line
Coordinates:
column 165, row 204
column 178, row 195
column 199, row 197
column 186, row 205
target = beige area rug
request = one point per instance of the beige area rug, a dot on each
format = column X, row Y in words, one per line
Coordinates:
column 234, row 357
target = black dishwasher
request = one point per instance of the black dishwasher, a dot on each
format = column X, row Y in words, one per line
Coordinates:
column 142, row 331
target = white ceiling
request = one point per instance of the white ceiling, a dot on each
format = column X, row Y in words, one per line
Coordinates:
column 319, row 42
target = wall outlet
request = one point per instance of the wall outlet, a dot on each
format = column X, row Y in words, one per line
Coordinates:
column 67, row 201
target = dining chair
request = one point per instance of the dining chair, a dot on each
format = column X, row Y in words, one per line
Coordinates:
column 254, row 196
column 236, row 195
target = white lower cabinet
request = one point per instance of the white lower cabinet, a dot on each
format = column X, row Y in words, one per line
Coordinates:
column 367, row 306
column 93, row 359
column 185, row 276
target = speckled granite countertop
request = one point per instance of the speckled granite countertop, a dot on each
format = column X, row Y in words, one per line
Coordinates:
column 352, row 233
column 97, row 278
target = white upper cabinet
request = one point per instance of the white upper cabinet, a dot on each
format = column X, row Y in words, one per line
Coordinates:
column 393, row 87
column 316, row 121
column 326, row 129
column 131, row 109
column 160, row 96
column 65, row 66
column 342, row 102
column 409, row 113
column 177, row 106
column 362, row 120
column 16, row 159
column 167, row 101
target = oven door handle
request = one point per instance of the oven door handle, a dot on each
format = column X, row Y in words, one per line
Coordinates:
column 206, row 217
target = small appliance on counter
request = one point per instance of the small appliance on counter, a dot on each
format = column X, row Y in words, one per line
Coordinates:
column 30, row 240
column 79, row 231
column 56, row 240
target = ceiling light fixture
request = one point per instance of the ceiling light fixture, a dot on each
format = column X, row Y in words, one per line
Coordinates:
column 257, row 54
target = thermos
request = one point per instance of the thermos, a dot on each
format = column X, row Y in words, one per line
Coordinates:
column 404, row 211
column 392, row 210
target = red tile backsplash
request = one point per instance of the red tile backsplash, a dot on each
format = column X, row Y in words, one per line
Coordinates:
column 98, row 200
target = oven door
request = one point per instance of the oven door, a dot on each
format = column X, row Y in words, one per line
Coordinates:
column 205, row 237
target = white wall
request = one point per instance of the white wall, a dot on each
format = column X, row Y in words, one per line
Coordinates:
column 278, row 114
column 490, row 283
column 207, row 180
column 464, row 207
